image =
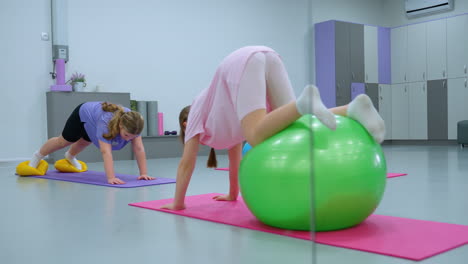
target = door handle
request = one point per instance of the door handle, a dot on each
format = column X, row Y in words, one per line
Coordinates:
column 443, row 73
column 465, row 82
column 424, row 76
column 352, row 75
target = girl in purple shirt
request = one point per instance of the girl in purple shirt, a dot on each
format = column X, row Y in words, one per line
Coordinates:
column 109, row 127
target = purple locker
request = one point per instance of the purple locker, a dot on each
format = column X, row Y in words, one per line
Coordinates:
column 357, row 89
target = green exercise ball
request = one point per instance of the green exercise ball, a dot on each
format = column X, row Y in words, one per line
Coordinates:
column 349, row 173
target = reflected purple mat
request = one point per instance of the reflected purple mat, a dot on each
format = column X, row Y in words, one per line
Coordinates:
column 99, row 178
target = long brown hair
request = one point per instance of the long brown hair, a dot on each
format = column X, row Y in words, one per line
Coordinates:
column 131, row 121
column 183, row 117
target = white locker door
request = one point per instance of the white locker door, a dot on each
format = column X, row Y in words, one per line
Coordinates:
column 457, row 53
column 457, row 96
column 437, row 49
column 399, row 46
column 417, row 110
column 385, row 108
column 416, row 71
column 371, row 55
column 400, row 118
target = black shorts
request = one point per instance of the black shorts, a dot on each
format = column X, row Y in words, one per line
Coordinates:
column 74, row 128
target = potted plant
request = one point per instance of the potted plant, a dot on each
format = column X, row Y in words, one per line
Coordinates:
column 78, row 81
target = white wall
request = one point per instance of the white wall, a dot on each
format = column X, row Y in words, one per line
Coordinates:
column 396, row 15
column 369, row 12
column 387, row 13
column 24, row 76
column 154, row 49
column 169, row 50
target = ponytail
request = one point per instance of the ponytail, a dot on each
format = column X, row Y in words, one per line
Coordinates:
column 212, row 162
column 113, row 126
column 183, row 117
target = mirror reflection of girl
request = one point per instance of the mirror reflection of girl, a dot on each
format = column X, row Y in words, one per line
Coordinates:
column 250, row 98
column 109, row 126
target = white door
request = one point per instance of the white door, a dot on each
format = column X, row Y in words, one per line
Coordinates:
column 400, row 117
column 457, row 96
column 371, row 55
column 437, row 49
column 399, row 46
column 416, row 71
column 457, row 52
column 417, row 110
column 385, row 108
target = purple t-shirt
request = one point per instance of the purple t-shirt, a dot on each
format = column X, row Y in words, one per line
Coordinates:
column 95, row 123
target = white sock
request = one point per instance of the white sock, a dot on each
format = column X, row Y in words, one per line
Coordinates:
column 36, row 158
column 362, row 110
column 309, row 102
column 73, row 160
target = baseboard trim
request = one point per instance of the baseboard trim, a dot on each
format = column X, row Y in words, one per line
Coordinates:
column 13, row 160
column 432, row 142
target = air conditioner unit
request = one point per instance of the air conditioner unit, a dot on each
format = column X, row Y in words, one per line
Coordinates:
column 425, row 7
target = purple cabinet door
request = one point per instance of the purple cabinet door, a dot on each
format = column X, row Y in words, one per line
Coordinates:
column 357, row 89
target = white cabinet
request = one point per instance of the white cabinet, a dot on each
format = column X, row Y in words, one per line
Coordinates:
column 385, row 108
column 417, row 110
column 429, row 91
column 409, row 111
column 400, row 118
column 371, row 55
column 457, row 96
column 457, row 42
column 437, row 49
column 416, row 61
column 399, row 39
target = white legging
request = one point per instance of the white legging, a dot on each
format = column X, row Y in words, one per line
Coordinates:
column 264, row 77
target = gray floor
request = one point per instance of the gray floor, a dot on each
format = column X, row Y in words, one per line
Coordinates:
column 44, row 221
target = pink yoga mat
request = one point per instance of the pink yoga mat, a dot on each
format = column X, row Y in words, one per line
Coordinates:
column 389, row 175
column 99, row 178
column 386, row 235
column 393, row 175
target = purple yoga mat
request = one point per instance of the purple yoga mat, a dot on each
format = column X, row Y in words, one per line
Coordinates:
column 99, row 178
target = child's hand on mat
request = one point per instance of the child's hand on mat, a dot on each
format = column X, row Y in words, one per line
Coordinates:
column 115, row 181
column 225, row 197
column 146, row 177
column 173, row 206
